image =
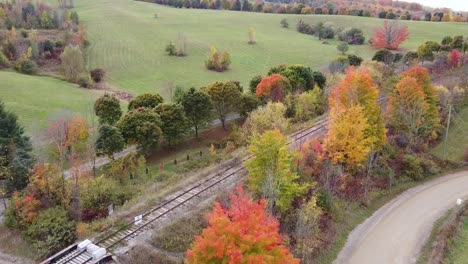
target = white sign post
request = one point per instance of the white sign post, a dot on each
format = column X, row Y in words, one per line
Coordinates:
column 110, row 209
column 138, row 219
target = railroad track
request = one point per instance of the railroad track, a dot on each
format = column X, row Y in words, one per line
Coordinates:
column 73, row 255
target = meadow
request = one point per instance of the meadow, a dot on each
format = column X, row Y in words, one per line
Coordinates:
column 128, row 39
column 35, row 99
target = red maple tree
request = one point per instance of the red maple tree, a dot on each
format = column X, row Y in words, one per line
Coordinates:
column 244, row 233
column 390, row 36
column 454, row 58
column 274, row 86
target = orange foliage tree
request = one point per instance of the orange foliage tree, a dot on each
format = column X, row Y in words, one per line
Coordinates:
column 25, row 210
column 358, row 88
column 46, row 183
column 65, row 133
column 390, row 36
column 432, row 116
column 408, row 109
column 244, row 233
column 273, row 86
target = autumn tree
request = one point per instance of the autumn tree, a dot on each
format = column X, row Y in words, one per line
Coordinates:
column 109, row 141
column 268, row 117
column 147, row 100
column 358, row 88
column 175, row 124
column 225, row 97
column 72, row 62
column 270, row 174
column 309, row 105
column 48, row 185
column 307, row 230
column 16, row 158
column 273, row 87
column 67, row 134
column 244, row 233
column 390, row 36
column 197, row 106
column 347, row 141
column 107, row 108
column 142, row 127
column 408, row 110
column 423, row 78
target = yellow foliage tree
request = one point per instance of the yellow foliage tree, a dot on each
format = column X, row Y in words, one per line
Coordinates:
column 347, row 142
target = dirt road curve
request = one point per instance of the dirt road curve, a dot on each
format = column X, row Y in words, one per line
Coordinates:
column 397, row 231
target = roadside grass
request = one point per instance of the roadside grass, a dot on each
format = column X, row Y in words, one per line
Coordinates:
column 355, row 214
column 129, row 42
column 458, row 138
column 35, row 98
column 458, row 247
column 448, row 241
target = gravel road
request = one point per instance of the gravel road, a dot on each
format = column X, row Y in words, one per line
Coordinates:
column 395, row 233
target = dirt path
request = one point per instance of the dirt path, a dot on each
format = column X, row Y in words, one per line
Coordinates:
column 396, row 233
column 8, row 259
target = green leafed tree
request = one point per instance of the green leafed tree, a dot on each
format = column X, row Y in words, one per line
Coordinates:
column 15, row 151
column 175, row 124
column 270, row 173
column 197, row 106
column 108, row 110
column 142, row 127
column 225, row 97
column 109, row 140
column 72, row 63
column 147, row 100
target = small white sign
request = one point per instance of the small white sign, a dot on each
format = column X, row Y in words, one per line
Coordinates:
column 459, row 201
column 110, row 209
column 138, row 219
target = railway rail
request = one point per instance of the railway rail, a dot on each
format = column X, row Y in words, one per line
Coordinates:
column 75, row 255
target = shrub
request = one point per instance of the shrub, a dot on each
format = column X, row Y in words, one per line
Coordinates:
column 384, row 55
column 254, row 83
column 52, row 231
column 284, row 23
column 218, row 61
column 171, row 49
column 353, row 36
column 354, row 60
column 85, row 81
column 252, row 36
column 98, row 74
column 24, row 34
column 302, row 27
column 338, row 65
column 4, row 62
column 412, row 167
column 26, row 66
column 343, row 47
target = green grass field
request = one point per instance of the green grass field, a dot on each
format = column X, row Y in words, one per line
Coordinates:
column 458, row 248
column 35, row 98
column 128, row 41
column 458, row 138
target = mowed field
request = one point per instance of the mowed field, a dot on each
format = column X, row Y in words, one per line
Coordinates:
column 128, row 41
column 36, row 99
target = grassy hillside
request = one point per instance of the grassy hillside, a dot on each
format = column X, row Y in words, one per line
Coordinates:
column 458, row 138
column 129, row 42
column 35, row 98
